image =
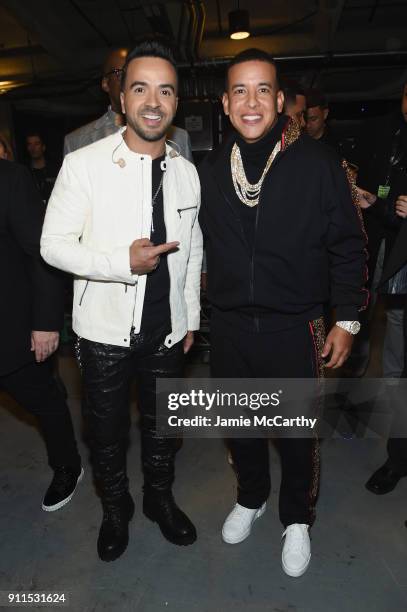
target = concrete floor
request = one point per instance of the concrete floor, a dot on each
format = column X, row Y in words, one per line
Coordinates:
column 359, row 541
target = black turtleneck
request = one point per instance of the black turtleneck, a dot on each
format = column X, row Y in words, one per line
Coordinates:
column 254, row 157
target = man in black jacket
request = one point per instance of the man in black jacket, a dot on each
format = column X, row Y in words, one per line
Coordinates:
column 282, row 237
column 381, row 155
column 385, row 479
column 31, row 312
column 315, row 117
column 387, row 476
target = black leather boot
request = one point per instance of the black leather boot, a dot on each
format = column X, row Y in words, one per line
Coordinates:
column 114, row 532
column 384, row 480
column 175, row 526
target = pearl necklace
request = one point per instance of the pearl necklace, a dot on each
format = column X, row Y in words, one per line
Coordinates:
column 247, row 193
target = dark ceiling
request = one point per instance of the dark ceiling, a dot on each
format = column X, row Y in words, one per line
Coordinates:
column 52, row 50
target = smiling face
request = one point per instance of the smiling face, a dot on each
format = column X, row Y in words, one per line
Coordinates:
column 149, row 98
column 252, row 99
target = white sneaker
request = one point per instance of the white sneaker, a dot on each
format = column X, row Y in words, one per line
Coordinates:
column 238, row 524
column 296, row 553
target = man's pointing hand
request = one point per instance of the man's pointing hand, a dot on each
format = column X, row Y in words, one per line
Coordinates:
column 145, row 257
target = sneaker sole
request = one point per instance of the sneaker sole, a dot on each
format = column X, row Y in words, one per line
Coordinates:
column 295, row 573
column 258, row 514
column 67, row 499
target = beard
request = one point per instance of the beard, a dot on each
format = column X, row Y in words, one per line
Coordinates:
column 149, row 135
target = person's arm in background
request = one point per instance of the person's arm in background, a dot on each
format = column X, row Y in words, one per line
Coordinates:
column 390, row 210
column 25, row 216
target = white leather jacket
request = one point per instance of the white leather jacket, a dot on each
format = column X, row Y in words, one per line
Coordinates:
column 97, row 209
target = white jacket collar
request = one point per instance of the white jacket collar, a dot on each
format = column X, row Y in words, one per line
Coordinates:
column 122, row 150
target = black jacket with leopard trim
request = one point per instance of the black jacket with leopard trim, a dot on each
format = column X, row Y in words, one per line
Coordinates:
column 308, row 247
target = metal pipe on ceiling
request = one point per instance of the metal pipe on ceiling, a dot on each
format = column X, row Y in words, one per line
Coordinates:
column 192, row 31
column 218, row 11
column 90, row 22
column 219, row 61
column 125, row 22
column 200, row 27
column 181, row 26
column 22, row 51
column 190, row 42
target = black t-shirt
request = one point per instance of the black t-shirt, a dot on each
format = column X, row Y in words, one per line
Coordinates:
column 329, row 139
column 45, row 178
column 156, row 308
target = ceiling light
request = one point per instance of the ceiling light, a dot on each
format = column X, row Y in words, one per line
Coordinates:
column 239, row 24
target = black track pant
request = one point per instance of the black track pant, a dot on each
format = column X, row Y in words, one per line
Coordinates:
column 291, row 353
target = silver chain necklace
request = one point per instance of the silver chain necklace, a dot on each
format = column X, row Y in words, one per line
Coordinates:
column 153, row 202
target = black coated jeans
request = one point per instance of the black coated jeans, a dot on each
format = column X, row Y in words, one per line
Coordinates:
column 34, row 388
column 107, row 374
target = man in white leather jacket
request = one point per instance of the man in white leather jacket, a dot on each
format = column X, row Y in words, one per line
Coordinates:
column 123, row 219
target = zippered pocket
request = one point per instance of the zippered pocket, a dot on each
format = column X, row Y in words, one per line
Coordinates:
column 181, row 210
column 83, row 293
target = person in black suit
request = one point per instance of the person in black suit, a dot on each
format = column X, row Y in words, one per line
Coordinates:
column 31, row 312
column 381, row 155
column 388, row 475
column 316, row 114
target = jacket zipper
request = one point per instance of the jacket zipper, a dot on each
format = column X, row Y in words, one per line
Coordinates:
column 169, row 260
column 83, row 293
column 256, row 223
column 132, row 326
column 235, row 216
column 251, row 282
column 180, row 210
column 251, row 293
column 238, row 219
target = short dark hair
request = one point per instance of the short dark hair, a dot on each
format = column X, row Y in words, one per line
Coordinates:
column 291, row 90
column 149, row 47
column 316, row 97
column 250, row 55
column 35, row 132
